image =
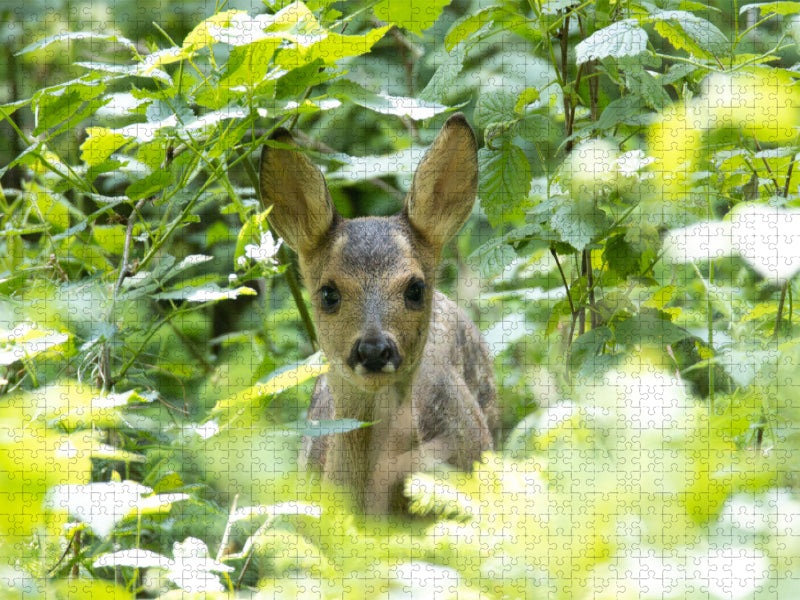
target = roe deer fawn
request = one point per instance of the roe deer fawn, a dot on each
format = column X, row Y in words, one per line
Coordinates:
column 401, row 355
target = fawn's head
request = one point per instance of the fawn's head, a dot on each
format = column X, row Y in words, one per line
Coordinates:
column 371, row 279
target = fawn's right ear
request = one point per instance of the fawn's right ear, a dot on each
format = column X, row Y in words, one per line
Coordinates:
column 302, row 210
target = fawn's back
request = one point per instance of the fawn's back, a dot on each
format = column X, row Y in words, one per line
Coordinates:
column 402, row 356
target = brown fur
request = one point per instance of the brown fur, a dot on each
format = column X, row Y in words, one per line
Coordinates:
column 434, row 401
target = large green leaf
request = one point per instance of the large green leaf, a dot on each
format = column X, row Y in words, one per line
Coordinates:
column 623, row 38
column 505, row 178
column 414, row 15
column 99, row 144
column 689, row 32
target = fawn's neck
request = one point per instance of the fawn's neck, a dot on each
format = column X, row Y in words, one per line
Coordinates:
column 354, row 455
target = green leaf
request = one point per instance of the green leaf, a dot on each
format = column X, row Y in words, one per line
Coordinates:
column 99, row 144
column 200, row 36
column 248, row 65
column 51, row 207
column 503, row 184
column 649, row 327
column 400, row 106
column 779, row 8
column 414, row 15
column 78, row 35
column 110, row 238
column 205, row 293
column 54, row 105
column 496, row 108
column 623, row 38
column 469, row 24
column 527, row 96
column 149, row 186
column 328, row 47
column 26, row 340
column 689, row 32
column 627, row 110
column 445, row 78
column 578, row 223
column 642, row 84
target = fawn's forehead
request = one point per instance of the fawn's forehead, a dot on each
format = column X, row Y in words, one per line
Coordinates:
column 372, row 245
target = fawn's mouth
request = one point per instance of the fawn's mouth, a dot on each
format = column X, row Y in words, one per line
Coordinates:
column 372, row 380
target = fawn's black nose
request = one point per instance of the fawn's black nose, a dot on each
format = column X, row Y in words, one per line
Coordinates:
column 376, row 353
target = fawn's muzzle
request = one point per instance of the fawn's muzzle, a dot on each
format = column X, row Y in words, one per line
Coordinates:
column 374, row 353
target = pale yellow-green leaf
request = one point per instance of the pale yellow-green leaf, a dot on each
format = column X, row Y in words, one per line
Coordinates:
column 414, row 15
column 282, row 380
column 99, row 144
column 199, row 37
column 761, row 310
column 660, row 298
column 49, row 207
column 329, row 47
column 110, row 238
column 528, row 96
column 27, row 340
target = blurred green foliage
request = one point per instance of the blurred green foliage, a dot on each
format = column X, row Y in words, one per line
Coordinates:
column 632, row 265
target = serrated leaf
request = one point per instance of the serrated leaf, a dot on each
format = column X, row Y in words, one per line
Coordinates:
column 504, row 181
column 417, row 110
column 779, row 8
column 578, row 223
column 100, row 144
column 495, row 107
column 689, row 32
column 623, row 38
column 78, row 35
column 414, row 15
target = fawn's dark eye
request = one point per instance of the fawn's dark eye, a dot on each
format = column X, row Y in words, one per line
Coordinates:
column 415, row 294
column 330, row 298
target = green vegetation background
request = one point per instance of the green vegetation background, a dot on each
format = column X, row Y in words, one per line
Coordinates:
column 632, row 263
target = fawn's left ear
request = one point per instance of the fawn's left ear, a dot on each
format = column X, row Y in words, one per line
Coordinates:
column 445, row 183
column 302, row 209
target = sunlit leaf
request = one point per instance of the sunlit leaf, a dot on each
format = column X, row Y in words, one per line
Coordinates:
column 414, row 15
column 778, row 8
column 206, row 293
column 276, row 382
column 623, row 38
column 27, row 340
column 200, row 37
column 689, row 32
column 78, row 35
column 99, row 144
